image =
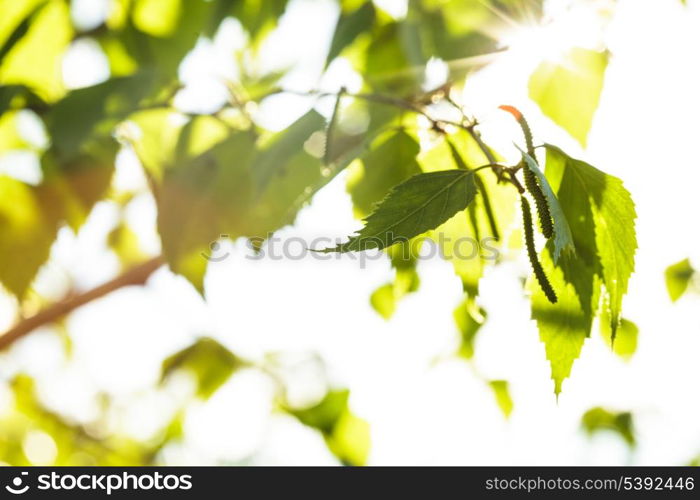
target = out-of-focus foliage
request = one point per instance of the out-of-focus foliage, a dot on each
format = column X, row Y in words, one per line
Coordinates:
column 502, row 395
column 625, row 343
column 600, row 419
column 679, row 277
column 469, row 318
column 347, row 436
column 33, row 434
column 208, row 361
column 568, row 90
column 419, row 169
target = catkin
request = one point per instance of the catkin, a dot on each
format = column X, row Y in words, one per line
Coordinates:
column 531, row 183
column 532, row 252
column 535, row 190
column 533, row 186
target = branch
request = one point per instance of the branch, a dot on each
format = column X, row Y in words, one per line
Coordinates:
column 135, row 276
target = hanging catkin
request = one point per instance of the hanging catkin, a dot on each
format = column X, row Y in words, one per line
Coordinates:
column 531, row 183
column 532, row 252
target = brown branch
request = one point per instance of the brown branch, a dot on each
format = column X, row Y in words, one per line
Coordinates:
column 135, row 276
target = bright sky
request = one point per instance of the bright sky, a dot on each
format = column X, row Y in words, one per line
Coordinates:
column 420, row 412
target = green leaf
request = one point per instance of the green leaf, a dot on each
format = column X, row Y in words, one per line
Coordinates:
column 418, row 205
column 207, row 360
column 125, row 244
column 202, row 198
column 602, row 217
column 563, row 326
column 29, row 220
column 82, row 179
column 383, row 301
column 18, row 97
column 599, row 210
column 453, row 32
column 325, row 414
column 35, row 60
column 614, row 218
column 470, row 241
column 351, row 440
column 19, row 31
column 502, row 394
column 257, row 16
column 347, row 436
column 95, row 110
column 625, row 343
column 161, row 32
column 350, row 26
column 600, row 419
column 391, row 161
column 289, row 171
column 563, row 241
column 394, row 59
column 469, row 318
column 678, row 278
column 568, row 91
column 10, row 136
column 200, row 172
column 275, row 154
column 404, row 261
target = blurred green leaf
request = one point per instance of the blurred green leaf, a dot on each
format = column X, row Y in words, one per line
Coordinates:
column 17, row 97
column 325, row 414
column 82, row 180
column 19, row 31
column 347, row 436
column 351, row 440
column 287, row 172
column 502, row 394
column 75, row 444
column 10, row 136
column 125, row 244
column 678, row 278
column 568, row 91
column 35, row 60
column 383, row 300
column 394, row 59
column 625, row 344
column 455, row 31
column 600, row 419
column 90, row 111
column 207, row 360
column 350, row 25
column 202, row 198
column 404, row 261
column 274, row 155
column 256, row 16
column 29, row 221
column 390, row 161
column 469, row 318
